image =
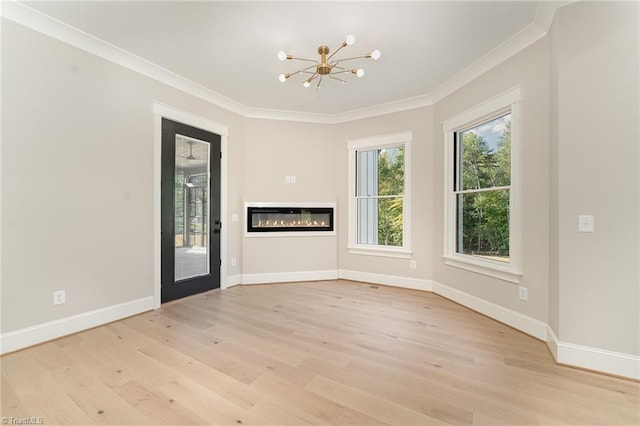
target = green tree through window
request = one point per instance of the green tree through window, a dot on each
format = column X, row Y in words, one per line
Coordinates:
column 482, row 187
column 391, row 183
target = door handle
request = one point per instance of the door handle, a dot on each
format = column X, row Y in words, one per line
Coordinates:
column 217, row 226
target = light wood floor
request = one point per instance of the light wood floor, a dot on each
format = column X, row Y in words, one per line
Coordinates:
column 333, row 352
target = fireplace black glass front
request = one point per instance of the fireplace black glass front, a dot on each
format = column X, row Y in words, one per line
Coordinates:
column 289, row 219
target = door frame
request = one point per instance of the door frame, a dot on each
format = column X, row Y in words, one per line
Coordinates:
column 161, row 111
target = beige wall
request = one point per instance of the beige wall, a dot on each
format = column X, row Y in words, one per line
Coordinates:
column 554, row 170
column 77, row 178
column 527, row 69
column 598, row 173
column 273, row 150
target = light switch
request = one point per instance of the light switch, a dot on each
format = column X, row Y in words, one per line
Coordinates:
column 234, row 217
column 585, row 223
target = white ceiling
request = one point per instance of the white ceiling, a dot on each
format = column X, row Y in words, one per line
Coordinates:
column 230, row 47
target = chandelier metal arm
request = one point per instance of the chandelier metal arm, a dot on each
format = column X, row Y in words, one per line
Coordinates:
column 289, row 57
column 351, row 59
column 313, row 77
column 304, row 70
column 336, row 78
column 342, row 70
column 344, row 44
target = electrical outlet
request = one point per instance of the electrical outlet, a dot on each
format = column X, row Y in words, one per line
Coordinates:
column 234, row 262
column 523, row 293
column 59, row 297
column 412, row 264
column 586, row 223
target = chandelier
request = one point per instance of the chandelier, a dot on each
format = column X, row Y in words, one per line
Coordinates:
column 326, row 66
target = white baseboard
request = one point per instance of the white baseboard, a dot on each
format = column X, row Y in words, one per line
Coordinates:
column 524, row 323
column 552, row 342
column 514, row 319
column 596, row 359
column 284, row 277
column 40, row 333
column 590, row 358
column 233, row 280
column 570, row 354
column 390, row 280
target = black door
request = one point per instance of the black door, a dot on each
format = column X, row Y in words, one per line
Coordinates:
column 190, row 210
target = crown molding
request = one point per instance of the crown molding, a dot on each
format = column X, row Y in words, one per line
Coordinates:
column 509, row 48
column 382, row 109
column 38, row 21
column 520, row 41
column 547, row 10
column 277, row 114
column 342, row 117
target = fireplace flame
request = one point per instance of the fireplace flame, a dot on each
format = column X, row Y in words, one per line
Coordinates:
column 284, row 222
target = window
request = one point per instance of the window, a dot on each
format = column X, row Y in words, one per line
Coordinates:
column 481, row 209
column 379, row 200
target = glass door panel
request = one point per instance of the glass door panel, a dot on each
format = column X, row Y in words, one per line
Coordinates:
column 192, row 208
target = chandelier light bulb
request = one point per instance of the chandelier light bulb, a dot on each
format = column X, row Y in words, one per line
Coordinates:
column 375, row 54
column 282, row 55
column 282, row 78
column 360, row 72
column 306, row 83
column 350, row 39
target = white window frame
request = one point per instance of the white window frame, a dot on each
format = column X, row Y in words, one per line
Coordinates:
column 505, row 103
column 370, row 143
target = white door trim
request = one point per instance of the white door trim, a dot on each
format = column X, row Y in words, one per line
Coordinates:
column 161, row 111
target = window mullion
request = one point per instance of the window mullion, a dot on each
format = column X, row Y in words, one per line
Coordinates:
column 475, row 191
column 366, row 197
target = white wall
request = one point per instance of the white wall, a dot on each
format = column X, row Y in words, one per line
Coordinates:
column 597, row 144
column 77, row 178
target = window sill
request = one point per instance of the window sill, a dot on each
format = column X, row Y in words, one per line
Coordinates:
column 491, row 269
column 400, row 253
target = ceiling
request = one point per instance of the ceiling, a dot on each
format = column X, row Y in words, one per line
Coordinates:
column 231, row 47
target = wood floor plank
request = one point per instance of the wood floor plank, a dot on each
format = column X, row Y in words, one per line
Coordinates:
column 183, row 362
column 312, row 407
column 333, row 352
column 367, row 403
column 275, row 411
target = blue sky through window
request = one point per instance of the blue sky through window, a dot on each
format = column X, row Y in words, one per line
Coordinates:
column 492, row 130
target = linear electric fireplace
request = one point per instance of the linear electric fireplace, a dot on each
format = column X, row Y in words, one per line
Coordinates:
column 270, row 218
